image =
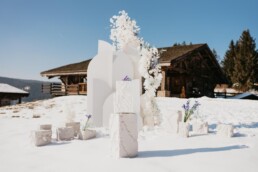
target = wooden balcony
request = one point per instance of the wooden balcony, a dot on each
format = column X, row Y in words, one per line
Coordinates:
column 58, row 89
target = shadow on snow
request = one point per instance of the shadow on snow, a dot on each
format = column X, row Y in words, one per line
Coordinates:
column 170, row 153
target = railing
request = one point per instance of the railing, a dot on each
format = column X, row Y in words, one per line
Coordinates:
column 58, row 89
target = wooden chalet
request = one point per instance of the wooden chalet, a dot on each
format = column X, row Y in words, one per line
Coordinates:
column 189, row 71
column 72, row 76
column 9, row 93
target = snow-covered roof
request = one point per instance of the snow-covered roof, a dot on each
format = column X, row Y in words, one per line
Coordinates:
column 245, row 95
column 6, row 88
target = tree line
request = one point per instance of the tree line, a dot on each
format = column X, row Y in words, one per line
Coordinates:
column 240, row 63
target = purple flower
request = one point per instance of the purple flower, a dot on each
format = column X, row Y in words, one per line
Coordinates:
column 189, row 111
column 88, row 116
column 126, row 78
column 86, row 123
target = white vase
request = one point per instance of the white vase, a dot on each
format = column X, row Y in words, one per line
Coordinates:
column 87, row 134
column 183, row 130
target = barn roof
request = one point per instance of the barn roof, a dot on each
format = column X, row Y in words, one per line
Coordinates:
column 70, row 69
column 6, row 88
column 170, row 53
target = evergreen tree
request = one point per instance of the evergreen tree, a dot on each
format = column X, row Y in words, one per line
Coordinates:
column 229, row 62
column 245, row 67
column 214, row 52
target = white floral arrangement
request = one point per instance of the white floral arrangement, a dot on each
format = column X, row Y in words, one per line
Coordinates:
column 124, row 31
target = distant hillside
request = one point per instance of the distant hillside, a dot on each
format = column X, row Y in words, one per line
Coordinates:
column 35, row 88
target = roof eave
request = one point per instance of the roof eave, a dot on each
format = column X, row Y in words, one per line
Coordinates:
column 62, row 74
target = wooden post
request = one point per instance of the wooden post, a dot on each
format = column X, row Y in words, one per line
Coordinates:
column 163, row 82
column 19, row 100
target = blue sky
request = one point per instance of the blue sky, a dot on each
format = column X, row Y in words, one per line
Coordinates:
column 37, row 35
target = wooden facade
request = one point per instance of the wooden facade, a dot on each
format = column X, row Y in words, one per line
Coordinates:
column 73, row 79
column 189, row 71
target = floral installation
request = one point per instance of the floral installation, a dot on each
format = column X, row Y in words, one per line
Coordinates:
column 126, row 78
column 125, row 31
column 86, row 124
column 190, row 111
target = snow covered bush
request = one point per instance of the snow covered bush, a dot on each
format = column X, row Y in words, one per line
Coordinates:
column 124, row 31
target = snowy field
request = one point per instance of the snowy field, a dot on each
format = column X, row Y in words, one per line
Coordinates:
column 159, row 149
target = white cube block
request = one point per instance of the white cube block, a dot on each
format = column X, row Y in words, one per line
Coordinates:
column 225, row 130
column 45, row 127
column 42, row 137
column 183, row 129
column 124, row 97
column 200, row 127
column 76, row 127
column 64, row 133
column 87, row 134
column 124, row 135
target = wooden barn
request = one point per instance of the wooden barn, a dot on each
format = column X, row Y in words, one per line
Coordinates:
column 72, row 76
column 9, row 93
column 189, row 71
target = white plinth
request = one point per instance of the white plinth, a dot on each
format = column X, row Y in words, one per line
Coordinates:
column 200, row 127
column 123, row 135
column 124, row 97
column 76, row 127
column 65, row 133
column 225, row 130
column 45, row 127
column 42, row 137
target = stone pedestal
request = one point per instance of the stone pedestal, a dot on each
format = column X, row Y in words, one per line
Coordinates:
column 124, row 97
column 87, row 134
column 75, row 126
column 42, row 137
column 183, row 129
column 225, row 130
column 200, row 127
column 123, row 135
column 45, row 127
column 64, row 133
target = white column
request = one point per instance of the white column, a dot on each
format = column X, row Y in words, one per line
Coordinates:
column 124, row 135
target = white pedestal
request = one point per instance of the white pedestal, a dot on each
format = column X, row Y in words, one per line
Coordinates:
column 65, row 133
column 200, row 127
column 184, row 129
column 124, row 97
column 45, row 127
column 42, row 137
column 76, row 127
column 124, row 135
column 225, row 130
column 87, row 134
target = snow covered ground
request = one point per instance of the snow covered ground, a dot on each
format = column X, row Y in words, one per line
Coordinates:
column 159, row 149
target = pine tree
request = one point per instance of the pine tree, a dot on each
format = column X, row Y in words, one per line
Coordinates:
column 229, row 62
column 214, row 52
column 245, row 67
